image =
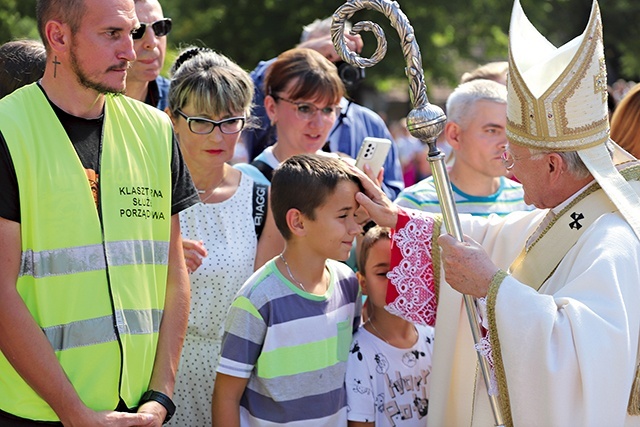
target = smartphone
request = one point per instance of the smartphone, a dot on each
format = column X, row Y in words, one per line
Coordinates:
column 373, row 152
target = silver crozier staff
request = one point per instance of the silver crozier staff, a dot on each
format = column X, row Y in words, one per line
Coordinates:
column 425, row 122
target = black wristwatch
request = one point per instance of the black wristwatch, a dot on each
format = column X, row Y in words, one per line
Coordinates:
column 161, row 398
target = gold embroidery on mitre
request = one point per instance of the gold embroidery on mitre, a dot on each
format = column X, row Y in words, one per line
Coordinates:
column 521, row 110
column 572, row 113
column 600, row 80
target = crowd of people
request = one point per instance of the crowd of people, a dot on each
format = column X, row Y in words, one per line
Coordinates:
column 150, row 279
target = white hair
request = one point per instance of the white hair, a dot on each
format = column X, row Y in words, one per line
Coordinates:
column 575, row 165
column 319, row 28
column 464, row 97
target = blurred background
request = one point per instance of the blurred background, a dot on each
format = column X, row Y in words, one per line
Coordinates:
column 454, row 36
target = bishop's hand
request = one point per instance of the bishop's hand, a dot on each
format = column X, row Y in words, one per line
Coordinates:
column 467, row 266
column 374, row 201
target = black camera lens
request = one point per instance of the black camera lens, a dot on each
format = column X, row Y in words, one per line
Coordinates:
column 350, row 75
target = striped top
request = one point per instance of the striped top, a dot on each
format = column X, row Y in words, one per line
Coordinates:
column 508, row 198
column 293, row 347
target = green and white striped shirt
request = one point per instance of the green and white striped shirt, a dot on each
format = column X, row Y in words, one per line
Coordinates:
column 508, row 198
column 293, row 347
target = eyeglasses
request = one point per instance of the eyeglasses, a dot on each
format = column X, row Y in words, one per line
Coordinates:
column 509, row 160
column 307, row 111
column 160, row 28
column 203, row 126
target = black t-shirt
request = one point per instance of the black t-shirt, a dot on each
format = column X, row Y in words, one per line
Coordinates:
column 85, row 135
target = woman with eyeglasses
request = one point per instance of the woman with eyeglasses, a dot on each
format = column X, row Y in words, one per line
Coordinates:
column 303, row 92
column 209, row 104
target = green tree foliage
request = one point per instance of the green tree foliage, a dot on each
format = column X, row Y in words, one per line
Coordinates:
column 452, row 34
column 250, row 30
column 17, row 20
column 562, row 20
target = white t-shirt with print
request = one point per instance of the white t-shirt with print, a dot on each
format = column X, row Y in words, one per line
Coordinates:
column 389, row 385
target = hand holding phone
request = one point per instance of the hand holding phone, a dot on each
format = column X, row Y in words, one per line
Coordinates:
column 373, row 152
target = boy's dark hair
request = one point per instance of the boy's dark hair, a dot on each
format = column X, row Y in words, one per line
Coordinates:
column 304, row 182
column 21, row 62
column 370, row 238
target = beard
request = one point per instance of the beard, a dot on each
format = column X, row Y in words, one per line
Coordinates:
column 85, row 80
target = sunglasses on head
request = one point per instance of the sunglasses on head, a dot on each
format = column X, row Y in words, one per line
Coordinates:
column 160, row 28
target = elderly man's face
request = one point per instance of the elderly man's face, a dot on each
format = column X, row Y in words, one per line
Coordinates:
column 150, row 49
column 533, row 173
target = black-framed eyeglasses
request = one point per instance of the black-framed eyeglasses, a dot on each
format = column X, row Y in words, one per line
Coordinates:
column 203, row 126
column 307, row 111
column 160, row 28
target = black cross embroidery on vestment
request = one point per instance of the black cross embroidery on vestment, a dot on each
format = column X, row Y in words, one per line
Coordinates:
column 576, row 218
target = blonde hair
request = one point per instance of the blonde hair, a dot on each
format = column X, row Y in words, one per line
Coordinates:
column 625, row 122
column 211, row 81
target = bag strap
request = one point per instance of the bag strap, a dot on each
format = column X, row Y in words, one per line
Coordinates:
column 266, row 170
column 260, row 205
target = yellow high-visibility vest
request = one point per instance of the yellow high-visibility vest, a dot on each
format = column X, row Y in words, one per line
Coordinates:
column 93, row 279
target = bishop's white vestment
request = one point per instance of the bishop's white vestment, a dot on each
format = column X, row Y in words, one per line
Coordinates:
column 564, row 354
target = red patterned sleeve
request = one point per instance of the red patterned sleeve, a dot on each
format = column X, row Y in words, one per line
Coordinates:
column 412, row 288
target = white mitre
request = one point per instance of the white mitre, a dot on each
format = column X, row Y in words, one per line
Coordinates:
column 557, row 101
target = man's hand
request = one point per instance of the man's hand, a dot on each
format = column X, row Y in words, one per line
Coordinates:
column 87, row 417
column 374, row 201
column 154, row 408
column 324, row 45
column 467, row 267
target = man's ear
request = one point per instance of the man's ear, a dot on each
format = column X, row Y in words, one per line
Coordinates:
column 295, row 222
column 58, row 35
column 556, row 166
column 452, row 133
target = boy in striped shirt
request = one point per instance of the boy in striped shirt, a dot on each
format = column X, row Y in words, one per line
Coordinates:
column 289, row 330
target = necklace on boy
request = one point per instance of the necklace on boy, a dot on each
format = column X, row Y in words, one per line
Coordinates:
column 296, row 281
column 415, row 330
column 377, row 331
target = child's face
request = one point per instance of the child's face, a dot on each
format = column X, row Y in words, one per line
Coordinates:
column 332, row 231
column 374, row 279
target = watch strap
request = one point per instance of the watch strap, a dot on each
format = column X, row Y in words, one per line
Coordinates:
column 161, row 398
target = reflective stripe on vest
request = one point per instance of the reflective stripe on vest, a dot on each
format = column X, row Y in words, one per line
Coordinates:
column 100, row 330
column 91, row 258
